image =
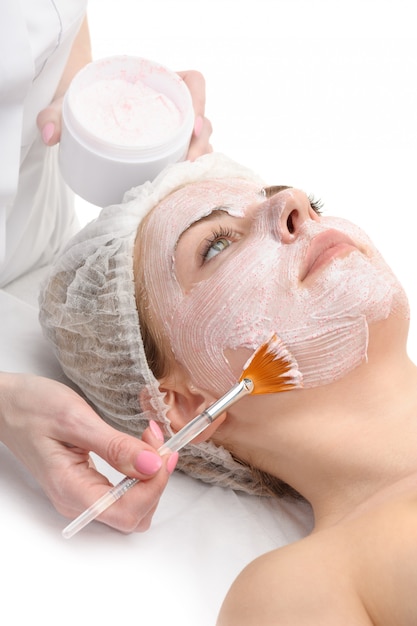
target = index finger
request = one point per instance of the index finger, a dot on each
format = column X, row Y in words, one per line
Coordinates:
column 197, row 86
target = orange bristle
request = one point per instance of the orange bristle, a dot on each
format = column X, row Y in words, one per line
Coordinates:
column 272, row 368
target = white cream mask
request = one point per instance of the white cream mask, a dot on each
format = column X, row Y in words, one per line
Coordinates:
column 257, row 291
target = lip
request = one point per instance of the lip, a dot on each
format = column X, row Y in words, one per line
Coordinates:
column 323, row 248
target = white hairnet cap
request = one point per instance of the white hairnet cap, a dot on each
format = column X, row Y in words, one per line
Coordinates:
column 88, row 312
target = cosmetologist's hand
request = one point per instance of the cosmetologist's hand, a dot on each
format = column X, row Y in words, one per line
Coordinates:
column 51, row 430
column 200, row 143
column 49, row 119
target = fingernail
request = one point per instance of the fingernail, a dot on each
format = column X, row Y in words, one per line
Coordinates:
column 172, row 462
column 148, row 462
column 156, row 431
column 198, row 125
column 47, row 132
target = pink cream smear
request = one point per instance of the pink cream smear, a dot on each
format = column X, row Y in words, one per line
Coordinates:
column 126, row 113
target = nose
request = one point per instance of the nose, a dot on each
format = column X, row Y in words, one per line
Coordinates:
column 290, row 209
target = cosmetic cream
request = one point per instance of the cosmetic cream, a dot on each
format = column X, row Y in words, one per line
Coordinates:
column 124, row 119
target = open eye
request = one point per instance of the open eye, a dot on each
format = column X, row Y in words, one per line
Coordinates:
column 219, row 241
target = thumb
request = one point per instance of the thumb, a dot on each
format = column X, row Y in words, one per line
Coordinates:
column 49, row 122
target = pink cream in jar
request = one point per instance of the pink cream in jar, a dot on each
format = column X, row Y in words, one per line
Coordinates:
column 124, row 119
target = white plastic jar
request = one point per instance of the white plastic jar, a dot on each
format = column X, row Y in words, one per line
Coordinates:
column 124, row 119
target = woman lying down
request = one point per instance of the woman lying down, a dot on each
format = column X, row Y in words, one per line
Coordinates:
column 153, row 314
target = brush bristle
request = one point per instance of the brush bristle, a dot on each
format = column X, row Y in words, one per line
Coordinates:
column 272, row 368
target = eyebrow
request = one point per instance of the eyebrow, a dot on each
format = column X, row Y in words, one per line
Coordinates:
column 218, row 211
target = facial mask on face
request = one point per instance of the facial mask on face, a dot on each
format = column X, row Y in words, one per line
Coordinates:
column 256, row 292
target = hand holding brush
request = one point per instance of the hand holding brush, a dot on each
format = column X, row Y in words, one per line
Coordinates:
column 271, row 369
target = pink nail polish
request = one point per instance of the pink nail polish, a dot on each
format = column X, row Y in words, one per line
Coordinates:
column 148, row 462
column 47, row 132
column 172, row 462
column 156, row 431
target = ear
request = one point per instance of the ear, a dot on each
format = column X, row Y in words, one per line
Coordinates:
column 186, row 401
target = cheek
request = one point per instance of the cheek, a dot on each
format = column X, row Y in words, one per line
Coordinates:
column 229, row 315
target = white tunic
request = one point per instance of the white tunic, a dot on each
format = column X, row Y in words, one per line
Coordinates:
column 36, row 208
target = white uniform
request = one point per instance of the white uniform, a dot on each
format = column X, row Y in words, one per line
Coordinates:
column 36, row 208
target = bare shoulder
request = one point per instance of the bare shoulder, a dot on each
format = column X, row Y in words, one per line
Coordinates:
column 305, row 583
column 385, row 554
column 362, row 572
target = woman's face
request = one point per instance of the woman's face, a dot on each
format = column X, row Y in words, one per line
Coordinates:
column 226, row 267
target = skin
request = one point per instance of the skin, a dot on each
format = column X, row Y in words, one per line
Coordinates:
column 354, row 461
column 51, row 429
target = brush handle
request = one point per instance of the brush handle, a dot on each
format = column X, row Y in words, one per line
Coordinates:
column 175, row 443
column 99, row 506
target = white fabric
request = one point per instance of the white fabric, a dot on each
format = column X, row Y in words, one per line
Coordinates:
column 178, row 572
column 36, row 212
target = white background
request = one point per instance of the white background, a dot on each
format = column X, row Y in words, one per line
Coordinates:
column 317, row 94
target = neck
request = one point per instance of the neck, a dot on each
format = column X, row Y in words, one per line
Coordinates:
column 346, row 444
